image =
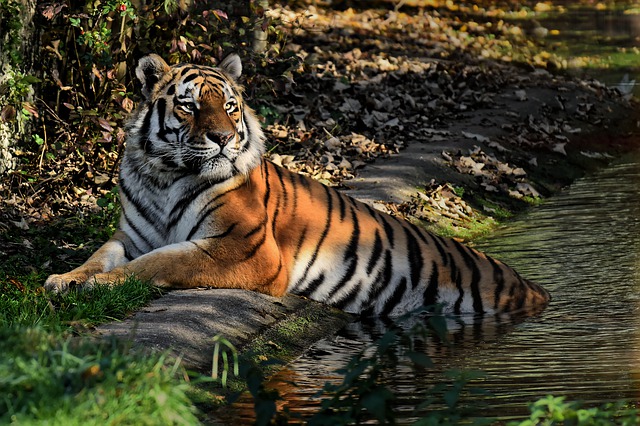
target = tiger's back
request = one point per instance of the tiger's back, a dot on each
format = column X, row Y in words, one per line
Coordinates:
column 201, row 207
column 347, row 254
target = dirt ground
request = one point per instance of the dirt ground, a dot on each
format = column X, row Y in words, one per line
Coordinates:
column 400, row 109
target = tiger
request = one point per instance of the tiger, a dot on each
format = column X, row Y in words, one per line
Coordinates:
column 201, row 206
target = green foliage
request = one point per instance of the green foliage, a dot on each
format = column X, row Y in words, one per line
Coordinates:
column 90, row 50
column 10, row 26
column 361, row 394
column 221, row 348
column 553, row 410
column 45, row 374
column 46, row 380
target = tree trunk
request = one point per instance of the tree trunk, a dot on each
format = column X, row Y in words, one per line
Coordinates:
column 18, row 48
column 260, row 43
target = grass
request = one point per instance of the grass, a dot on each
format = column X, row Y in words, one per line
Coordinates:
column 22, row 305
column 50, row 375
column 48, row 380
column 52, row 371
column 469, row 231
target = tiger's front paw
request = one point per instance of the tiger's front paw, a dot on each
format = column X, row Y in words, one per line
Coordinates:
column 61, row 283
column 109, row 279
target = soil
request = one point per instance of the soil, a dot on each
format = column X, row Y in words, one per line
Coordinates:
column 400, row 108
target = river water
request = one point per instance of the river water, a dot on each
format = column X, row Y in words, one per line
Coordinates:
column 583, row 246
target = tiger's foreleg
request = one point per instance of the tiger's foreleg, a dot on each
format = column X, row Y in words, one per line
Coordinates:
column 201, row 263
column 107, row 257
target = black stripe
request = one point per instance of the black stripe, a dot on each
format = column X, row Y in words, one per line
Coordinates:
column 431, row 292
column 274, row 220
column 187, row 199
column 222, row 234
column 415, row 258
column 203, row 216
column 443, row 254
column 269, row 281
column 161, row 107
column 422, row 235
column 522, row 294
column 127, row 243
column 380, row 283
column 304, row 180
column 395, row 298
column 256, row 246
column 342, row 206
column 257, row 228
column 137, row 231
column 284, row 192
column 323, row 236
column 475, row 276
column 267, row 189
column 294, row 188
column 282, row 199
column 349, row 297
column 151, row 217
column 388, row 229
column 189, row 78
column 456, row 277
column 498, row 278
column 313, row 285
column 203, row 250
column 375, row 254
column 303, row 236
column 144, row 142
column 350, row 256
column 372, row 212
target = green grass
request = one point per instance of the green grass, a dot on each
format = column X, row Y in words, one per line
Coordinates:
column 52, row 370
column 48, row 380
column 26, row 305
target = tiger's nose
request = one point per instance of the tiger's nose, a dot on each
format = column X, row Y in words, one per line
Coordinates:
column 220, row 138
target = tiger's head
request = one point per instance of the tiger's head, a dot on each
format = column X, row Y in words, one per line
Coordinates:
column 193, row 120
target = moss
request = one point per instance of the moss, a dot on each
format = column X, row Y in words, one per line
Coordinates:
column 470, row 231
column 295, row 333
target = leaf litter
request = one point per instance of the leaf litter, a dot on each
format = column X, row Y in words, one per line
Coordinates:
column 369, row 83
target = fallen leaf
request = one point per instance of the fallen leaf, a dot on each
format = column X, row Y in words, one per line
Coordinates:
column 475, row 136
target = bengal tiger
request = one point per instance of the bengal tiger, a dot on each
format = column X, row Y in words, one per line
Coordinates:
column 202, row 207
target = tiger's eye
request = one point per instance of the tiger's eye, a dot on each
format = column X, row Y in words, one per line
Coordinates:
column 230, row 106
column 187, row 107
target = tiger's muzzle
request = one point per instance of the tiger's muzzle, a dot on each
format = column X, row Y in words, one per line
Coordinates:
column 219, row 138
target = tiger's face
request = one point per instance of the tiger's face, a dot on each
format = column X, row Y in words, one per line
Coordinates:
column 194, row 119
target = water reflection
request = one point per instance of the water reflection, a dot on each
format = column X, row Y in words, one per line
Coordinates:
column 583, row 246
column 600, row 43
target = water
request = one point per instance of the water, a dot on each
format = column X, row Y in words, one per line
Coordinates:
column 598, row 43
column 583, row 246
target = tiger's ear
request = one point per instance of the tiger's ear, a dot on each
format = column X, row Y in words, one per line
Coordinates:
column 231, row 65
column 149, row 71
